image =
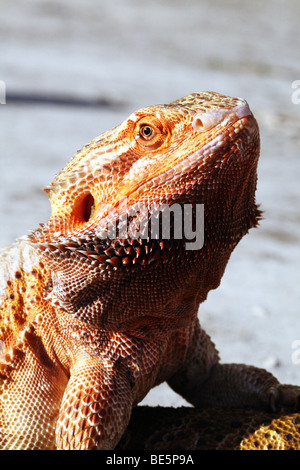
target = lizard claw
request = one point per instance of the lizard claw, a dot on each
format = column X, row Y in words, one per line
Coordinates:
column 284, row 396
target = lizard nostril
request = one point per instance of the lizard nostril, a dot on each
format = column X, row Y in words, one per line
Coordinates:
column 84, row 208
column 198, row 124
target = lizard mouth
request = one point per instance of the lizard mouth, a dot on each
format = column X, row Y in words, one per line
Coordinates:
column 234, row 129
column 229, row 125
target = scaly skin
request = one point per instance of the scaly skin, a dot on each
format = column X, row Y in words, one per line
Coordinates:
column 91, row 322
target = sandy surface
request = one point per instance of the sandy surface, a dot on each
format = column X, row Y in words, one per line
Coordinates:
column 134, row 54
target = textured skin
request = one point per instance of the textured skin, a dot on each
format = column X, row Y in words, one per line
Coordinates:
column 90, row 323
column 210, row 429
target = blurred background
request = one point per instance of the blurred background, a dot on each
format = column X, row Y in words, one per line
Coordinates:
column 73, row 69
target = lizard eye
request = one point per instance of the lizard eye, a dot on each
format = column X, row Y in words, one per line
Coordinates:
column 147, row 132
column 150, row 133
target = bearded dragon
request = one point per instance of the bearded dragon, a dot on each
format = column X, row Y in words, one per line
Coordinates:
column 97, row 308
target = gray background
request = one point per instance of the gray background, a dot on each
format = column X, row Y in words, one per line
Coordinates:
column 135, row 53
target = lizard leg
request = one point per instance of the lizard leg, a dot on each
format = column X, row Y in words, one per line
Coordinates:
column 238, row 385
column 31, row 389
column 229, row 385
column 96, row 406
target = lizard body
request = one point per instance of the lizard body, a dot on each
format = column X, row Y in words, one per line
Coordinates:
column 95, row 311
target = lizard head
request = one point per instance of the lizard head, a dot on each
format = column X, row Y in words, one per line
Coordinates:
column 199, row 150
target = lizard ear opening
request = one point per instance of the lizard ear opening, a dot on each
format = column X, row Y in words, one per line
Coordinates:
column 88, row 207
column 84, row 208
